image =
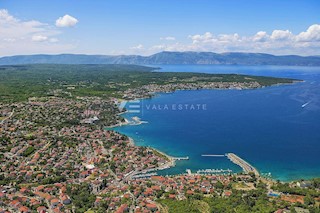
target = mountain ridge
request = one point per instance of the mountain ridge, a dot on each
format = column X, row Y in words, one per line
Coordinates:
column 166, row 57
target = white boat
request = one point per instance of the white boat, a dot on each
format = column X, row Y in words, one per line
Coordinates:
column 303, row 105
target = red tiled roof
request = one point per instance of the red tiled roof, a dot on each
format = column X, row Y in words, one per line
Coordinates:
column 172, row 196
column 54, row 200
column 24, row 209
column 151, row 206
column 41, row 209
column 189, row 192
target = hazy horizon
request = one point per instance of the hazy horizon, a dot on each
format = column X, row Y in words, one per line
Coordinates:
column 68, row 53
column 144, row 27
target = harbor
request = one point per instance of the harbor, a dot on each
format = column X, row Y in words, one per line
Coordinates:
column 246, row 167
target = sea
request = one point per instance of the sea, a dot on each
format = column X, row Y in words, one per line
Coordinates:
column 276, row 129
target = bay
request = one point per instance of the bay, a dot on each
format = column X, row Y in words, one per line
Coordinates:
column 268, row 127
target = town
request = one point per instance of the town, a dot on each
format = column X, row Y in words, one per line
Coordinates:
column 54, row 160
column 150, row 89
column 57, row 154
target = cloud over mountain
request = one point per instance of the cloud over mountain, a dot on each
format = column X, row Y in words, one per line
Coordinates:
column 311, row 35
column 277, row 42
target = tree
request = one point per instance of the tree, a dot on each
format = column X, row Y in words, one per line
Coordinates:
column 308, row 200
column 219, row 185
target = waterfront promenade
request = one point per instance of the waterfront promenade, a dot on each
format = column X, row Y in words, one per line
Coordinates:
column 243, row 164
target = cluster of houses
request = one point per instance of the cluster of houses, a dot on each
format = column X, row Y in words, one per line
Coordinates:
column 46, row 149
column 40, row 198
column 42, row 155
column 147, row 90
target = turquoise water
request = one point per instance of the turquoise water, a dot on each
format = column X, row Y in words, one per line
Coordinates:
column 268, row 127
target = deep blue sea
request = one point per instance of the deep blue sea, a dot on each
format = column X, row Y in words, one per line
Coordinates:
column 268, row 127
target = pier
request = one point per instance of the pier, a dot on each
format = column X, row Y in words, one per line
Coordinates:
column 246, row 167
column 180, row 158
column 213, row 155
column 209, row 171
column 147, row 175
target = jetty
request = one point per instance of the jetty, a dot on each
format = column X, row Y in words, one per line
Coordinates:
column 147, row 175
column 246, row 167
column 180, row 158
column 213, row 171
column 210, row 171
column 213, row 155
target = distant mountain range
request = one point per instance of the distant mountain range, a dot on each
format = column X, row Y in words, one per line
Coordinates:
column 166, row 58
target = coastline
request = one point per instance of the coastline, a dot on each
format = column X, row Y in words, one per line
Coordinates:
column 171, row 161
column 126, row 122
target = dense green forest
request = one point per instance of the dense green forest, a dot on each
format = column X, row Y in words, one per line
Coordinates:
column 255, row 201
column 18, row 82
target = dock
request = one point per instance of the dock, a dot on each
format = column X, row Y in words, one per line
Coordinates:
column 210, row 171
column 147, row 175
column 180, row 158
column 213, row 155
column 214, row 171
column 246, row 167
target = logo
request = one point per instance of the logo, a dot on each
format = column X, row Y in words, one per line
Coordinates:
column 132, row 106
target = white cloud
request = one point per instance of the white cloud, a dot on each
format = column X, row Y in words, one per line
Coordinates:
column 39, row 38
column 9, row 39
column 168, row 38
column 66, row 21
column 281, row 35
column 138, row 47
column 312, row 34
column 28, row 36
column 279, row 42
column 53, row 40
column 42, row 38
column 158, row 47
column 5, row 17
column 206, row 37
column 261, row 36
column 13, row 28
column 229, row 38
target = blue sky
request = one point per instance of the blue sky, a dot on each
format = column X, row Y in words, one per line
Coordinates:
column 146, row 27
